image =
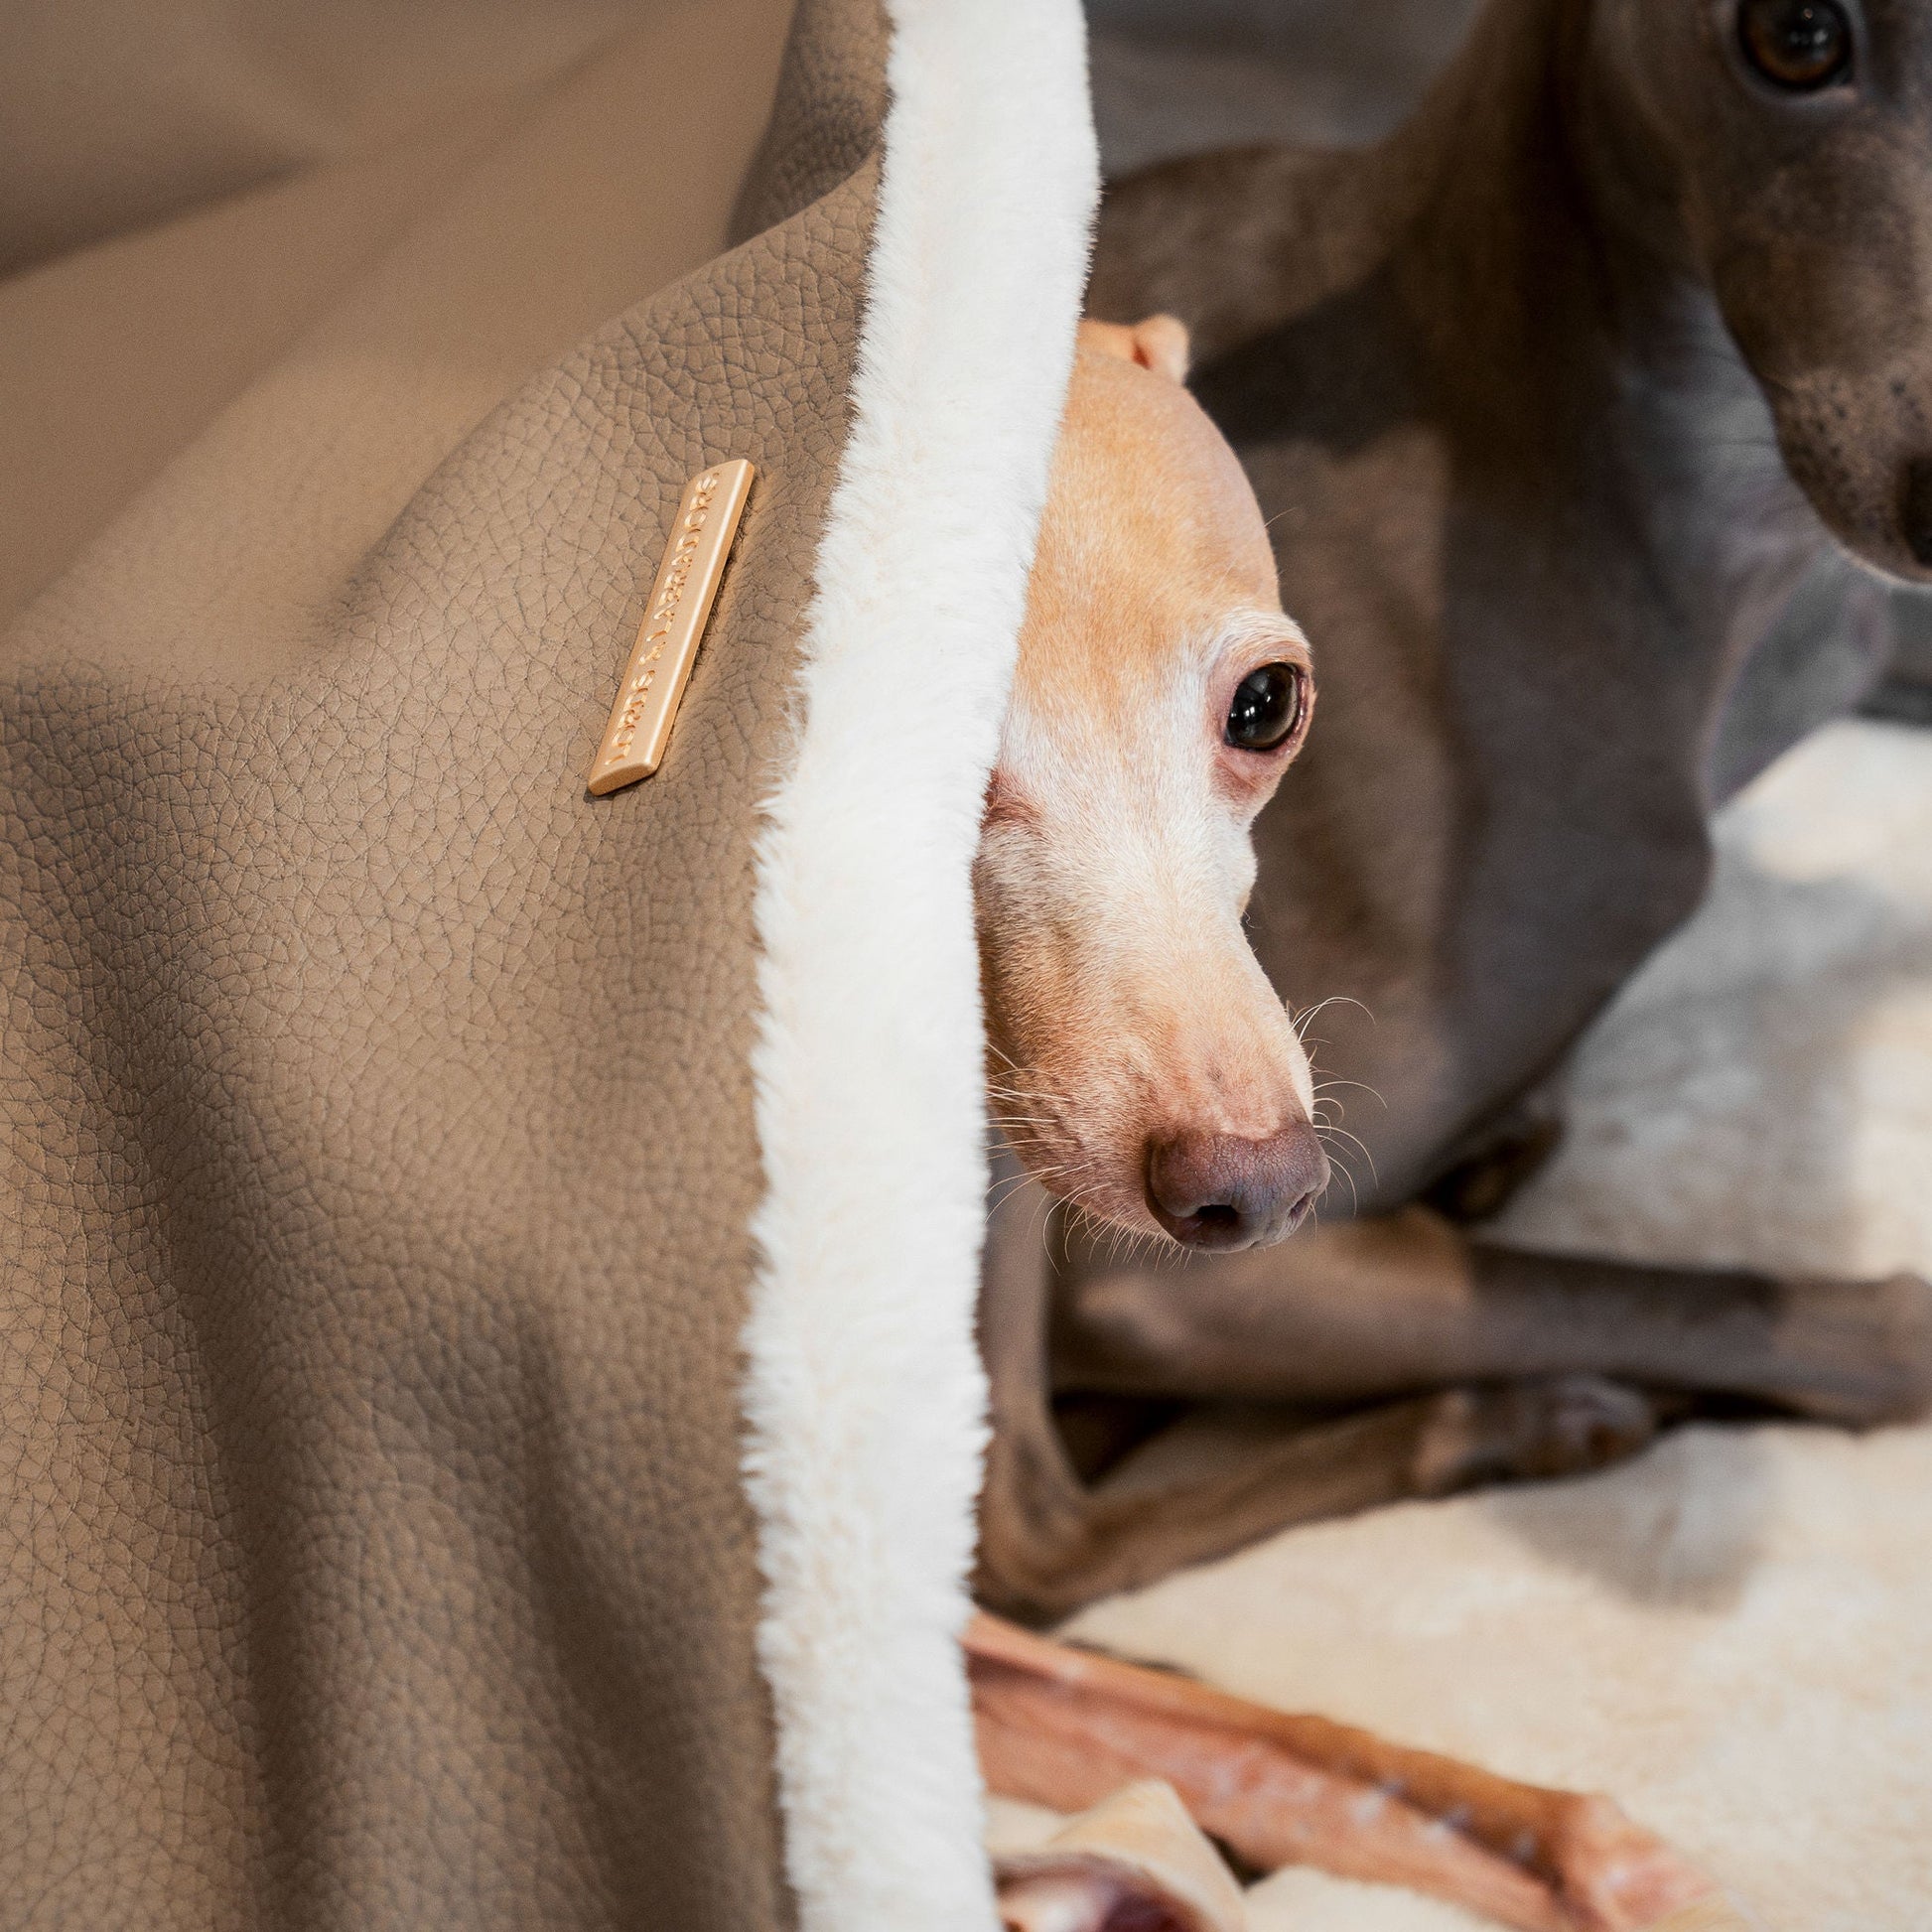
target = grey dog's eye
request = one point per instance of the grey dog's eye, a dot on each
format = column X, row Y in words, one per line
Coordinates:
column 1268, row 707
column 1798, row 44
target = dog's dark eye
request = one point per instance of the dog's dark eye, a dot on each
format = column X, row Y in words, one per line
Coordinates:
column 1268, row 707
column 1797, row 45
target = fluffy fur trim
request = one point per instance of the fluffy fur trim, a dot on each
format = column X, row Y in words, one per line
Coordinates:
column 864, row 1396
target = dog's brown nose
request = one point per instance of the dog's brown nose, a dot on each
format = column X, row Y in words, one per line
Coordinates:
column 1214, row 1191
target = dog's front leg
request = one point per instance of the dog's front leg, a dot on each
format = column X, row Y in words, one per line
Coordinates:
column 1224, row 1474
column 1066, row 1728
column 1380, row 1308
column 1461, row 1363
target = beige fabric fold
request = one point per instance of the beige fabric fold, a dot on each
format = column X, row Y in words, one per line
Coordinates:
column 114, row 114
column 374, row 340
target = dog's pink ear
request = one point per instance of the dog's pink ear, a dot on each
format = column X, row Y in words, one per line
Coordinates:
column 1159, row 343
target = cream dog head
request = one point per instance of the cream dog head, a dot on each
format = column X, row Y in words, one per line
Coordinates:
column 1141, row 1066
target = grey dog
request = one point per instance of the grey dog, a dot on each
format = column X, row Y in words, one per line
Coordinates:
column 1593, row 412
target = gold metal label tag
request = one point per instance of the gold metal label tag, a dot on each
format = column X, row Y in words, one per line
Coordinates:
column 673, row 626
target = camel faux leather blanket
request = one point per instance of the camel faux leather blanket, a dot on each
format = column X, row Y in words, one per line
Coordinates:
column 429, row 1190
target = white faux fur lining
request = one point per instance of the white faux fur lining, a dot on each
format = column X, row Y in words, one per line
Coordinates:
column 864, row 1396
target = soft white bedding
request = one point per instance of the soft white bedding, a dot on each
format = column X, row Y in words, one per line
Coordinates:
column 1734, row 1634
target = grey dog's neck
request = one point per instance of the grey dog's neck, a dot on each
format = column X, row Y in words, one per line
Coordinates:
column 1567, row 328
column 1511, row 269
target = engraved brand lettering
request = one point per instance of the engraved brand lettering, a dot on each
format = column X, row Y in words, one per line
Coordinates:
column 673, row 625
column 658, row 626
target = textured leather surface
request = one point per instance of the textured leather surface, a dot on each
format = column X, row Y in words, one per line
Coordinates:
column 827, row 117
column 376, row 1147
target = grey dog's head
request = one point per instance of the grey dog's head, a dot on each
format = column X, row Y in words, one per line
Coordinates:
column 1788, row 145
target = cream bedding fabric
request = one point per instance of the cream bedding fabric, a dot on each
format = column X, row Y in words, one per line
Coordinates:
column 1734, row 1635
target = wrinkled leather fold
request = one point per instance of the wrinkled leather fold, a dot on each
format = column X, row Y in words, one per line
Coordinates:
column 376, row 1144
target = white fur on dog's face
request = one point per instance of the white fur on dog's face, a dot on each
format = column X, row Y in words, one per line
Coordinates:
column 1124, row 1004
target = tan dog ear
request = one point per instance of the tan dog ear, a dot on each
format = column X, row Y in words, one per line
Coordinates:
column 1159, row 343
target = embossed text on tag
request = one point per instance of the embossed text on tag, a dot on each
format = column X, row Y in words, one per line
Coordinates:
column 673, row 626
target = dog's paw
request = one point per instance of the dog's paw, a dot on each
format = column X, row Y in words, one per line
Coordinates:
column 1906, row 1300
column 1861, row 1352
column 1613, row 1875
column 1558, row 1425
